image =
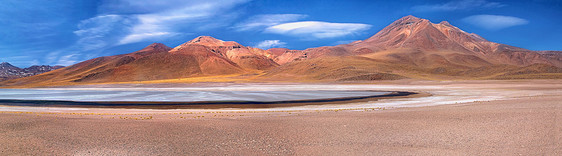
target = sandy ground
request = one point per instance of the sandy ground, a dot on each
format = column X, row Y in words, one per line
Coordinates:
column 461, row 118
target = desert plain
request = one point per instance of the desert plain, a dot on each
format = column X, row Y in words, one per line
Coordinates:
column 472, row 117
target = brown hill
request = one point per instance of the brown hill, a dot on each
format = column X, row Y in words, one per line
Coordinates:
column 408, row 48
column 245, row 57
column 202, row 56
column 416, row 48
column 420, row 34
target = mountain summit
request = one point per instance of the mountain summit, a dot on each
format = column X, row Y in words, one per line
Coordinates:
column 417, row 48
column 409, row 47
column 420, row 34
column 205, row 40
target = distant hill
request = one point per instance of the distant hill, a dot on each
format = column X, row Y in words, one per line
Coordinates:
column 409, row 48
column 416, row 48
column 8, row 71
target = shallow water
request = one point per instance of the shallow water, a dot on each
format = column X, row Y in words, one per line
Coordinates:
column 124, row 95
column 441, row 94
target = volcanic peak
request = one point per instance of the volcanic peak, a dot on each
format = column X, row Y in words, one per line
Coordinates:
column 209, row 42
column 205, row 39
column 156, row 47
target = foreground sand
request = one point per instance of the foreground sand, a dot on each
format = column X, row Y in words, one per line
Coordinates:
column 528, row 125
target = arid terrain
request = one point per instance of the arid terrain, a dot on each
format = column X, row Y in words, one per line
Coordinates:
column 474, row 97
column 281, row 77
column 460, row 118
column 409, row 48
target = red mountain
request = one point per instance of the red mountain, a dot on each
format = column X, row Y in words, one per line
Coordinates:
column 202, row 56
column 417, row 48
column 408, row 48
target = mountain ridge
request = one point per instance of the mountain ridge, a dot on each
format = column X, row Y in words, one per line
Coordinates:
column 409, row 47
column 9, row 71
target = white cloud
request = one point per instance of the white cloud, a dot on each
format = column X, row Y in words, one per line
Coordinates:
column 494, row 22
column 267, row 20
column 317, row 29
column 68, row 60
column 94, row 36
column 132, row 38
column 100, row 31
column 267, row 44
column 129, row 21
column 458, row 5
column 51, row 57
column 177, row 15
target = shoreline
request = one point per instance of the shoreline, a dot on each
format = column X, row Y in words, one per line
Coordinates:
column 204, row 104
column 526, row 126
column 515, row 118
column 442, row 93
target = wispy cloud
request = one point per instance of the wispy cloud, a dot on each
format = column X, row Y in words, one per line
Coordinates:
column 266, row 20
column 495, row 22
column 267, row 44
column 157, row 20
column 100, row 31
column 317, row 29
column 68, row 59
column 457, row 5
column 168, row 23
column 122, row 22
column 137, row 37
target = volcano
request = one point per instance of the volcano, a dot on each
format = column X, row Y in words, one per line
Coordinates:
column 416, row 48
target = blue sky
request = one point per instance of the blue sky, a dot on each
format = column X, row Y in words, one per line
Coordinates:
column 68, row 31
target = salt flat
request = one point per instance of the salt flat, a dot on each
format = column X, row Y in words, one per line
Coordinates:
column 460, row 118
column 177, row 95
column 441, row 93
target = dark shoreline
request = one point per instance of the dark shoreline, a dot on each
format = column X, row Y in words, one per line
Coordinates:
column 197, row 104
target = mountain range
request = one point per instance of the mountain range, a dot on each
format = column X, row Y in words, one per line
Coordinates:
column 8, row 71
column 409, row 48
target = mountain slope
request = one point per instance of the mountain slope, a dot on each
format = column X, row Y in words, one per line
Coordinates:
column 8, row 71
column 202, row 56
column 245, row 57
column 416, row 48
column 408, row 48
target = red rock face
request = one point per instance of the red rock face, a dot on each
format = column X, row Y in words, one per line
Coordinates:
column 245, row 57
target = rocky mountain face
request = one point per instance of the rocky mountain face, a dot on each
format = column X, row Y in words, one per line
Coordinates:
column 416, row 48
column 202, row 56
column 8, row 71
column 410, row 47
column 245, row 57
column 554, row 55
column 420, row 34
column 417, row 35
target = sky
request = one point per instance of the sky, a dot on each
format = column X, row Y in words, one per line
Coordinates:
column 65, row 32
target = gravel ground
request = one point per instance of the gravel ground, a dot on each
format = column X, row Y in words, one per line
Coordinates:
column 530, row 125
